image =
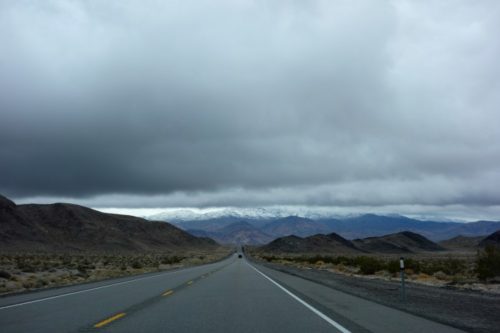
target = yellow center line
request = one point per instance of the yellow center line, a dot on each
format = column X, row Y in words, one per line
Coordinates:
column 168, row 292
column 190, row 282
column 110, row 319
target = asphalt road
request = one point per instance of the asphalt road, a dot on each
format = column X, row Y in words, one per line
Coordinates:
column 229, row 296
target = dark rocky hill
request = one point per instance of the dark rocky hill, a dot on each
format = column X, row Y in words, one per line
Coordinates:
column 68, row 227
column 331, row 243
column 401, row 242
column 493, row 239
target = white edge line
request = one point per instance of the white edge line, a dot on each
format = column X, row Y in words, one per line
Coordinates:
column 91, row 289
column 310, row 307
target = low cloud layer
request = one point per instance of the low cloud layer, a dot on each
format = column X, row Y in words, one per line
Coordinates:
column 241, row 103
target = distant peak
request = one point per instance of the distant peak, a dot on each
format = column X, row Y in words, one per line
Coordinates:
column 295, row 218
column 410, row 234
column 335, row 235
column 289, row 237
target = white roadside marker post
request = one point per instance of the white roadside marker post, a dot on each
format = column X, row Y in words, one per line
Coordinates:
column 402, row 268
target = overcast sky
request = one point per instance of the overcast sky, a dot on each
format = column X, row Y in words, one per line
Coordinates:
column 151, row 104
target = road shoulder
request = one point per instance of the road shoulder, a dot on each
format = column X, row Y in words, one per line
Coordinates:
column 348, row 309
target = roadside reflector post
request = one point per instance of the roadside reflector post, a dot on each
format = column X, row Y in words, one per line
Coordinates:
column 402, row 269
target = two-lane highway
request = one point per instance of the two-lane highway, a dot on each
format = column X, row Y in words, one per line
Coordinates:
column 234, row 299
column 229, row 296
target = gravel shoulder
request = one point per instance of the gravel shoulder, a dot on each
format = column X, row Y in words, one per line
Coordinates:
column 471, row 311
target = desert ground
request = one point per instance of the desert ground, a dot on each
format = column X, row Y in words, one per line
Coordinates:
column 21, row 272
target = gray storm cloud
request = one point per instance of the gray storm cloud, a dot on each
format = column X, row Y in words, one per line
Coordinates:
column 251, row 102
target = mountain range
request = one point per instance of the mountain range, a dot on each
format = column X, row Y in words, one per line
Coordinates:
column 295, row 225
column 350, row 227
column 402, row 242
column 236, row 233
column 397, row 243
column 76, row 228
column 67, row 227
column 259, row 213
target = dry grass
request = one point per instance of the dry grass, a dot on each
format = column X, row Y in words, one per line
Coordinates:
column 457, row 269
column 28, row 271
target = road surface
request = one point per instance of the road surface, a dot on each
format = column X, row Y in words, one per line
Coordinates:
column 232, row 295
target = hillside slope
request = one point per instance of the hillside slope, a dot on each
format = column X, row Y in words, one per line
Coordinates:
column 401, row 242
column 68, row 227
column 493, row 239
column 331, row 243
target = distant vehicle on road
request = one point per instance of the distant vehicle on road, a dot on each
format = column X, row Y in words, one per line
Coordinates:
column 240, row 256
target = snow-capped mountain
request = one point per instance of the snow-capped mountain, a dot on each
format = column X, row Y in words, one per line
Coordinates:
column 200, row 214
